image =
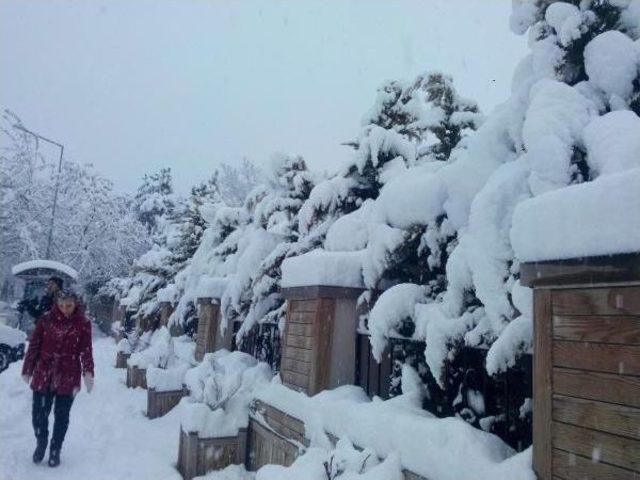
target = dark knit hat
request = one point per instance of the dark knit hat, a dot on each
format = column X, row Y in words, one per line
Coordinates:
column 57, row 280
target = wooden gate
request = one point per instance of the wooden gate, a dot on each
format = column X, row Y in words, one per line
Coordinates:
column 586, row 417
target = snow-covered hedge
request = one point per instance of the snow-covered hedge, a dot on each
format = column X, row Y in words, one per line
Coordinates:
column 438, row 205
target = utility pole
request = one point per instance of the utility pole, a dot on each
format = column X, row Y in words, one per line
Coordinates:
column 55, row 194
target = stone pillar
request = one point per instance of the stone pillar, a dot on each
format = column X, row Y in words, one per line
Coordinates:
column 319, row 345
column 209, row 338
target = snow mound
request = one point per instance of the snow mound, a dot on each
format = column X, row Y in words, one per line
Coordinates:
column 11, row 336
column 611, row 61
column 158, row 352
column 613, row 142
column 394, row 305
column 426, row 445
column 221, row 389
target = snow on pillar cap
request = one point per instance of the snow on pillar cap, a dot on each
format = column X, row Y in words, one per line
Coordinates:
column 322, row 268
column 589, row 219
column 211, row 287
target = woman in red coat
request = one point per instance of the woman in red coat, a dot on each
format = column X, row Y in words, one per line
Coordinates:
column 59, row 353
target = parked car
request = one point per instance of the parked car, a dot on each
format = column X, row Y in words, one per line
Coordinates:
column 12, row 343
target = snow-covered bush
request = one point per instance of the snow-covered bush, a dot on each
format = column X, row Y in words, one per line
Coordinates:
column 578, row 86
column 221, row 389
column 238, row 260
column 158, row 352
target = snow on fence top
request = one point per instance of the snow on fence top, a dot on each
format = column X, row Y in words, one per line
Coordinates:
column 439, row 448
column 605, row 220
column 23, row 267
column 319, row 267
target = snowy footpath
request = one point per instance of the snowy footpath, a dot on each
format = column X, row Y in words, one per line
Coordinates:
column 109, row 437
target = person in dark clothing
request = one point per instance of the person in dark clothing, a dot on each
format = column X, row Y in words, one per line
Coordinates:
column 59, row 353
column 37, row 308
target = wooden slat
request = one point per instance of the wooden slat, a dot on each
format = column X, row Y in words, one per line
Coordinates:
column 362, row 371
column 295, row 366
column 301, row 317
column 320, row 366
column 320, row 291
column 296, row 379
column 301, row 329
column 296, row 306
column 386, row 368
column 582, row 271
column 607, row 448
column 542, row 384
column 296, row 353
column 374, row 376
column 292, row 424
column 606, row 387
column 299, row 342
column 611, row 329
column 607, row 417
column 597, row 301
column 569, row 466
column 598, row 357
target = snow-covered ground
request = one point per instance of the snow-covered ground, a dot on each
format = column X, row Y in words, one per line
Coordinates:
column 109, row 437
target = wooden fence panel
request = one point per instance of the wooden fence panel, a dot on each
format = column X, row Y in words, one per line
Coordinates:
column 587, row 383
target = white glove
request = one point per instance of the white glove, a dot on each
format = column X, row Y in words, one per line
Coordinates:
column 88, row 382
column 26, row 379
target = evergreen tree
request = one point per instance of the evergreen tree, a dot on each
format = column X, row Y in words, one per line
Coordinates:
column 277, row 213
column 194, row 224
column 409, row 124
column 154, row 199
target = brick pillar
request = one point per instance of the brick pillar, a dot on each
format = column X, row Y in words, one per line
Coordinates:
column 319, row 346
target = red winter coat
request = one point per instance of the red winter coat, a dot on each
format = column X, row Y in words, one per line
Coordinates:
column 59, row 351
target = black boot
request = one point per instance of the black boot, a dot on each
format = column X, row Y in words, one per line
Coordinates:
column 54, row 456
column 38, row 453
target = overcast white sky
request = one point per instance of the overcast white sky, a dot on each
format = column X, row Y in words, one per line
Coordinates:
column 131, row 86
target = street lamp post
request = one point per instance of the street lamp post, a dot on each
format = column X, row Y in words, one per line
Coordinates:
column 55, row 194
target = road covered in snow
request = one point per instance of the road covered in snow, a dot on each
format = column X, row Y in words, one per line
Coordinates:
column 109, row 437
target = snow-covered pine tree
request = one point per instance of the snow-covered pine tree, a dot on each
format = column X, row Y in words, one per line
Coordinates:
column 194, row 224
column 436, row 119
column 155, row 199
column 277, row 213
column 209, row 235
column 440, row 118
column 252, row 296
column 163, row 214
column 410, row 254
column 571, row 118
column 409, row 124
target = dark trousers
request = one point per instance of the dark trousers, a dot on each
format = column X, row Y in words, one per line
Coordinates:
column 42, row 403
